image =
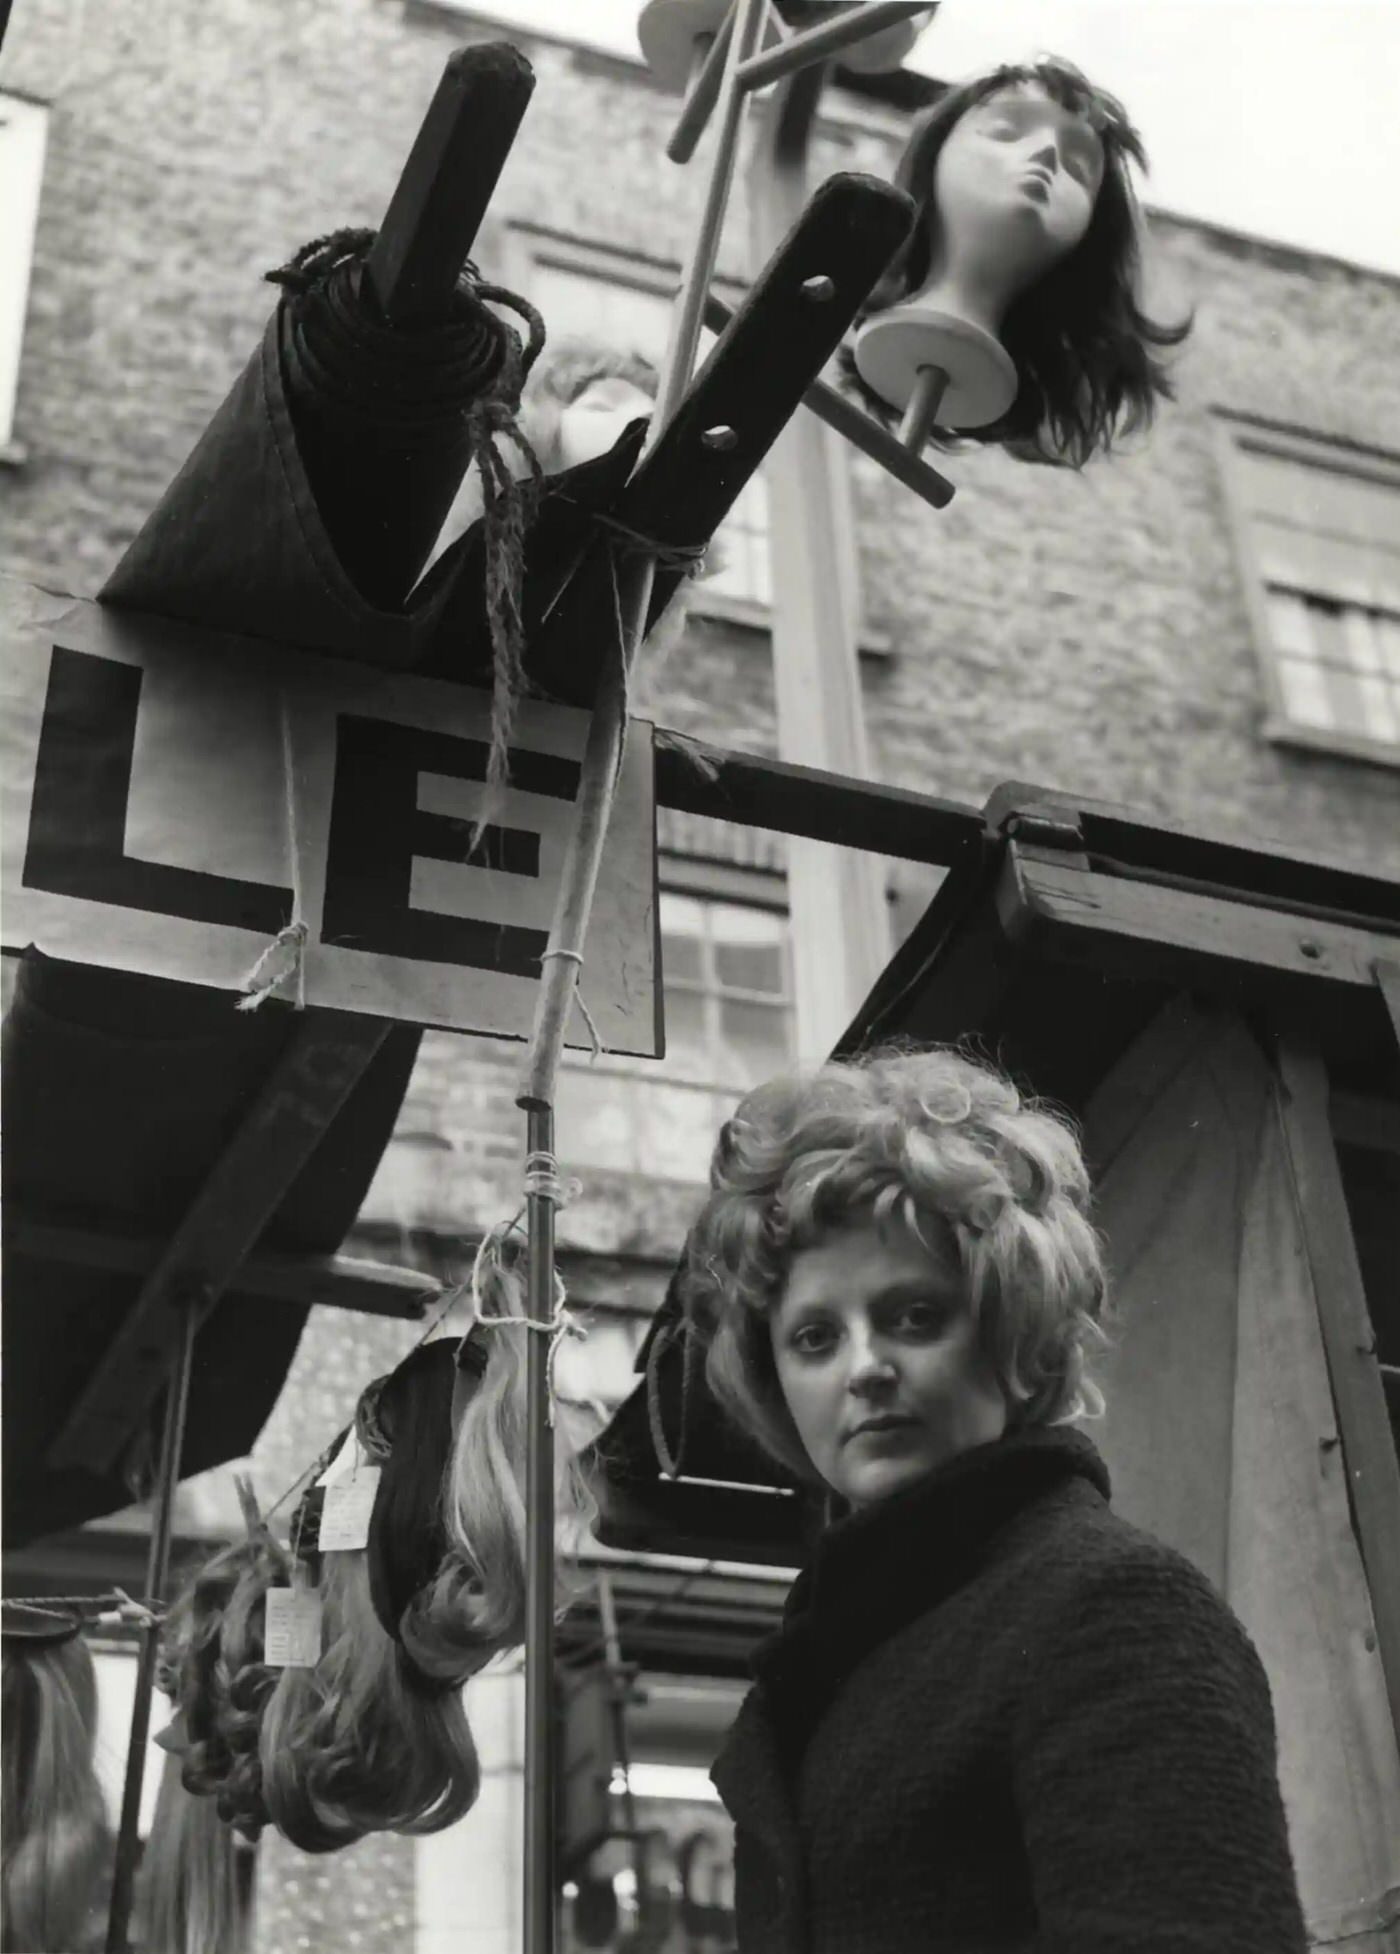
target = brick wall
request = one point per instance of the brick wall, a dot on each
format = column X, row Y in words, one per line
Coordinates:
column 1088, row 631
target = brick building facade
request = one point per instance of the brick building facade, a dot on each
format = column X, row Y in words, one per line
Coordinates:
column 1206, row 627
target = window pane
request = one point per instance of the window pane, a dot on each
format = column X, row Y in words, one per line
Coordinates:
column 1305, row 696
column 754, row 1039
column 750, row 966
column 686, row 1041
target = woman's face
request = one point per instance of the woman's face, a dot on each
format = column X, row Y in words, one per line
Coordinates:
column 878, row 1362
column 1019, row 170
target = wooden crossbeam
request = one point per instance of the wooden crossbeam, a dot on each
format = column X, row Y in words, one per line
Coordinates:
column 340, row 1281
column 305, row 1090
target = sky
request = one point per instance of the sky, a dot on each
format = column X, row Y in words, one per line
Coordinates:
column 1276, row 117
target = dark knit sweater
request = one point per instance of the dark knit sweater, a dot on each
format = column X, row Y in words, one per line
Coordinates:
column 1000, row 1720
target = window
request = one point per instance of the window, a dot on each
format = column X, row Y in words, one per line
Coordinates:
column 1319, row 532
column 629, row 306
column 729, row 1024
column 728, row 992
column 23, row 127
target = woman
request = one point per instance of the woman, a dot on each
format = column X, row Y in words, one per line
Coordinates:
column 996, row 1717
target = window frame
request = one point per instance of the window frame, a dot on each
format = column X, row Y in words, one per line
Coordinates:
column 17, row 262
column 704, row 881
column 1235, row 435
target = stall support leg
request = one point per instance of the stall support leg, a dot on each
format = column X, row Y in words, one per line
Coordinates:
column 172, row 1445
column 539, row 1601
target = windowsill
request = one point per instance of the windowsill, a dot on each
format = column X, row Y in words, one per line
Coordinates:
column 1341, row 746
column 13, row 454
column 750, row 615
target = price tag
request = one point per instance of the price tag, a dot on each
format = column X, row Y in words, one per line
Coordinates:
column 292, row 1633
column 345, row 1514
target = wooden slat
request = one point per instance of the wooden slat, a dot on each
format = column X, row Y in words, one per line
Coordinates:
column 698, row 778
column 1387, row 975
column 862, row 430
column 778, row 340
column 341, row 1281
column 1373, row 1473
column 1117, row 910
column 1296, row 1575
column 306, row 1089
column 447, row 182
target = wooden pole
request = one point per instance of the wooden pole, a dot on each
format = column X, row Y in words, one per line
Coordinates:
column 821, row 43
column 836, row 899
column 1373, row 1474
column 172, row 1444
column 602, row 758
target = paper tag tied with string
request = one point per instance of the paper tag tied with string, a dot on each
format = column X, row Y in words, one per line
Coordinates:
column 292, row 1630
column 345, row 1514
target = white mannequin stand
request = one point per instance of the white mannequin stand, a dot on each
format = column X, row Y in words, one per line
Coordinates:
column 944, row 370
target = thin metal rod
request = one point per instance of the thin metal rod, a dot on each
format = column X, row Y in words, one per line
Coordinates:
column 929, row 389
column 819, row 43
column 539, row 1595
column 862, row 430
column 707, row 71
column 688, row 315
column 612, row 1652
column 172, row 1445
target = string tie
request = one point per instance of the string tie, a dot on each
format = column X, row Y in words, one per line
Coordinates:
column 542, row 1177
column 575, row 957
column 283, row 961
column 686, row 557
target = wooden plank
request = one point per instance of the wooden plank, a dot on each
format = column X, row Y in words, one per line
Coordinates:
column 339, row 1281
column 1373, row 1472
column 448, row 181
column 777, row 342
column 1295, row 1569
column 755, row 792
column 1387, row 973
column 1124, row 842
column 1108, row 910
column 306, row 1089
column 862, row 430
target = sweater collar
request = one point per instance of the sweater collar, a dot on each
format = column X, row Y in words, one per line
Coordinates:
column 884, row 1564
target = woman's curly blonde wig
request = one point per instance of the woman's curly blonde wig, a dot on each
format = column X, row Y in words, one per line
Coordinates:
column 932, row 1140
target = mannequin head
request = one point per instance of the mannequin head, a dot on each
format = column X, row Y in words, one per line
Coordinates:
column 1027, row 217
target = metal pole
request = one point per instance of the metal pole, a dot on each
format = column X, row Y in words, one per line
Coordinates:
column 612, row 1652
column 820, row 43
column 707, row 72
column 602, row 757
column 689, row 313
column 172, row 1444
column 929, row 389
column 607, row 734
column 539, row 1598
column 836, row 899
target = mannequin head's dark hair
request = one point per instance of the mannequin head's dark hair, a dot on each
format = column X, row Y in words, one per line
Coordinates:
column 1086, row 352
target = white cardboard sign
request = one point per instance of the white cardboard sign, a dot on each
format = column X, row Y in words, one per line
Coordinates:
column 174, row 797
